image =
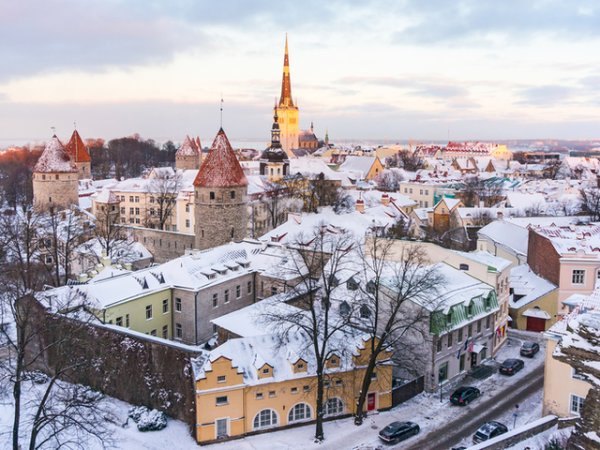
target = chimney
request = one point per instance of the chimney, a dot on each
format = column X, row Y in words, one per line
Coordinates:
column 385, row 199
column 82, row 278
column 360, row 205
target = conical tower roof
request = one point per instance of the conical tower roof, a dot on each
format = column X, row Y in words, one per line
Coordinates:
column 220, row 167
column 55, row 158
column 286, row 84
column 77, row 149
column 188, row 148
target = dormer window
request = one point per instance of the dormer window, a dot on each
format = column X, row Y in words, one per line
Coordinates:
column 449, row 318
column 463, row 267
column 470, row 309
column 265, row 370
column 351, row 284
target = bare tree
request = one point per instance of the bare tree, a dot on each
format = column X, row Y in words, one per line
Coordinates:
column 163, row 189
column 590, row 203
column 395, row 297
column 314, row 263
column 389, row 180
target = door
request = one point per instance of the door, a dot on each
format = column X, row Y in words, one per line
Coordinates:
column 221, row 428
column 371, row 401
column 536, row 324
column 473, row 359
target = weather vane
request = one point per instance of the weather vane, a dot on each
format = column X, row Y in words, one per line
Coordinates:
column 221, row 110
column 53, row 130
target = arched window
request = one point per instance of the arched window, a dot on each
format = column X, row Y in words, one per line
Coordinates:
column 334, row 406
column 265, row 419
column 301, row 411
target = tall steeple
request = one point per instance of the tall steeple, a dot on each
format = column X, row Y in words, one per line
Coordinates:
column 286, row 84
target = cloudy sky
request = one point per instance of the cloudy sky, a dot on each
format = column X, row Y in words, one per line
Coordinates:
column 422, row 70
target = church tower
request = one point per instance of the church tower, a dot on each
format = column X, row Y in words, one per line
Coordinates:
column 220, row 197
column 274, row 162
column 286, row 111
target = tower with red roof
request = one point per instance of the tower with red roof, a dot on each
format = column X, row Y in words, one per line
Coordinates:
column 55, row 178
column 189, row 154
column 79, row 154
column 220, row 202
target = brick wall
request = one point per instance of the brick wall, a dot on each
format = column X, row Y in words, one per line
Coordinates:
column 543, row 258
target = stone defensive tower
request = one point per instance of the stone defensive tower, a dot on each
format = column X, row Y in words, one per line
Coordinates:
column 189, row 155
column 287, row 113
column 220, row 191
column 79, row 154
column 55, row 179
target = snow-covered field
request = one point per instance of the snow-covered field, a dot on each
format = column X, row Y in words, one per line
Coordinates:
column 425, row 409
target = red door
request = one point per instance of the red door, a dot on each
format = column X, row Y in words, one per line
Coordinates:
column 371, row 401
column 536, row 324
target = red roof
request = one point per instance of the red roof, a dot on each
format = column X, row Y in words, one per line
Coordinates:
column 77, row 149
column 221, row 167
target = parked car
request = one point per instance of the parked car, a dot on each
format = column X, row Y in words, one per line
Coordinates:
column 511, row 366
column 489, row 430
column 464, row 395
column 529, row 349
column 398, row 431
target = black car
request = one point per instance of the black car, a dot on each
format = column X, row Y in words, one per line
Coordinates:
column 511, row 366
column 398, row 431
column 489, row 430
column 529, row 349
column 464, row 395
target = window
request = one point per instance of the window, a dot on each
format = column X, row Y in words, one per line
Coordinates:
column 238, row 291
column 265, row 370
column 449, row 340
column 443, row 372
column 460, row 335
column 249, row 287
column 273, row 290
column 264, row 419
column 178, row 331
column 153, row 333
column 212, row 195
column 119, row 321
column 131, row 210
column 470, row 310
column 272, row 394
column 334, row 406
column 487, row 322
column 221, row 400
column 123, row 210
column 294, row 390
column 578, row 276
column 339, row 382
column 462, row 363
column 187, row 207
column 232, row 194
column 463, row 266
column 215, row 300
column 137, row 211
column 127, row 320
column 165, row 306
column 576, row 404
column 479, row 326
column 470, row 329
column 374, row 376
column 165, row 331
column 439, row 345
column 137, row 199
column 301, row 411
column 177, row 304
column 131, row 198
column 148, row 312
column 226, row 296
column 259, row 396
column 306, row 388
column 187, row 223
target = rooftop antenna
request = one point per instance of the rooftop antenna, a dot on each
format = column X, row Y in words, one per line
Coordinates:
column 221, row 110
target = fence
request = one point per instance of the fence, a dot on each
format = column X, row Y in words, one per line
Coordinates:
column 407, row 391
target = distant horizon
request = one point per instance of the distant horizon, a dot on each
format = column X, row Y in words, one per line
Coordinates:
column 471, row 70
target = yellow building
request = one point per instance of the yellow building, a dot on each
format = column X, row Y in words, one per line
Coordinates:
column 287, row 113
column 253, row 383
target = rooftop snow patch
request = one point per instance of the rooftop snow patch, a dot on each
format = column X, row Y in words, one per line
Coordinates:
column 55, row 159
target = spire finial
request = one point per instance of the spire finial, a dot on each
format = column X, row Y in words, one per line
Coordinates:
column 75, row 125
column 221, row 111
column 53, row 131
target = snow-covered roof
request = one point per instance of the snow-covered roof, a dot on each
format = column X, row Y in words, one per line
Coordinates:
column 496, row 263
column 527, row 285
column 508, row 235
column 526, row 201
column 55, row 159
column 458, row 287
column 310, row 166
column 584, row 239
column 105, row 196
column 358, row 165
column 220, row 168
column 450, row 202
column 188, row 148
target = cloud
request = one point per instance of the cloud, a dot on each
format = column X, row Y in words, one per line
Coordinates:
column 547, row 95
column 444, row 22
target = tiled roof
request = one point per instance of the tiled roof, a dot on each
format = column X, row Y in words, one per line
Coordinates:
column 77, row 149
column 221, row 167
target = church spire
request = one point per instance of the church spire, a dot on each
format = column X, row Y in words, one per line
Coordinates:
column 286, row 84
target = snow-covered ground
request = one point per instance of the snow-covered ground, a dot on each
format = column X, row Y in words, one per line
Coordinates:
column 425, row 409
